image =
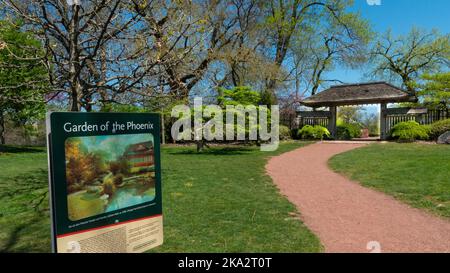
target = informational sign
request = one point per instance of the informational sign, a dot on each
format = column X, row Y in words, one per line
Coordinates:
column 105, row 182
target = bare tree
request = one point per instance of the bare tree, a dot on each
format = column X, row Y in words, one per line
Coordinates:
column 88, row 46
column 158, row 52
column 343, row 44
column 186, row 38
column 405, row 58
column 285, row 18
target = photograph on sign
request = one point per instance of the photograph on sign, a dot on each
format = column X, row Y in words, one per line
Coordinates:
column 107, row 173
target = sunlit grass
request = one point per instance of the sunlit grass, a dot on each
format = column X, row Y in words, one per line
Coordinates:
column 220, row 200
column 418, row 174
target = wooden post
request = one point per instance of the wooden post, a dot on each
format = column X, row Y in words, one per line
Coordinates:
column 383, row 121
column 163, row 132
column 332, row 124
column 297, row 122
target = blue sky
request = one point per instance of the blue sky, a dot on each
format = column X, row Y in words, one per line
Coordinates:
column 399, row 16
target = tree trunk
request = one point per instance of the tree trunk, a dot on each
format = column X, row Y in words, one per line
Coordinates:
column 409, row 84
column 102, row 81
column 2, row 128
column 73, row 95
column 88, row 103
column 74, row 60
column 199, row 145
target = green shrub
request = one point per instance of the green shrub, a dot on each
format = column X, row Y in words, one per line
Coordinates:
column 409, row 131
column 321, row 132
column 348, row 131
column 316, row 132
column 438, row 128
column 307, row 132
column 343, row 133
column 285, row 133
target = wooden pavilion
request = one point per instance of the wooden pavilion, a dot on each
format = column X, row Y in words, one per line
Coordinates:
column 355, row 94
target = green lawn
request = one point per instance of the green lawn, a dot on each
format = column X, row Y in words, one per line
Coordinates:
column 24, row 217
column 418, row 174
column 217, row 201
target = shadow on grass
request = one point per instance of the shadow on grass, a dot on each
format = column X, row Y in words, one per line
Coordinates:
column 28, row 236
column 215, row 151
column 24, row 183
column 13, row 238
column 24, row 219
column 20, row 149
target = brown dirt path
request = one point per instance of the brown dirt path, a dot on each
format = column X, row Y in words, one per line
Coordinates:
column 347, row 216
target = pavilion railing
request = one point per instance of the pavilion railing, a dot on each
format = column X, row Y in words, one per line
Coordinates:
column 313, row 118
column 314, row 121
column 426, row 116
column 392, row 116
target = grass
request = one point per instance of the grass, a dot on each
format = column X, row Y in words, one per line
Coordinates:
column 24, row 215
column 418, row 174
column 217, row 201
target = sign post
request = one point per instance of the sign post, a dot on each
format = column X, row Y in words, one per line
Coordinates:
column 105, row 182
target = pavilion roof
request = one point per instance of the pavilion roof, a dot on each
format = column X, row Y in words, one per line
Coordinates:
column 357, row 94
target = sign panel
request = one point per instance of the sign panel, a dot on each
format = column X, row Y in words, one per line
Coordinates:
column 105, row 181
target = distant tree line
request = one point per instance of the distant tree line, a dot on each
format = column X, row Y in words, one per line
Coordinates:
column 105, row 55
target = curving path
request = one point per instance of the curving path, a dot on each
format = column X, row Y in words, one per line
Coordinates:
column 348, row 217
